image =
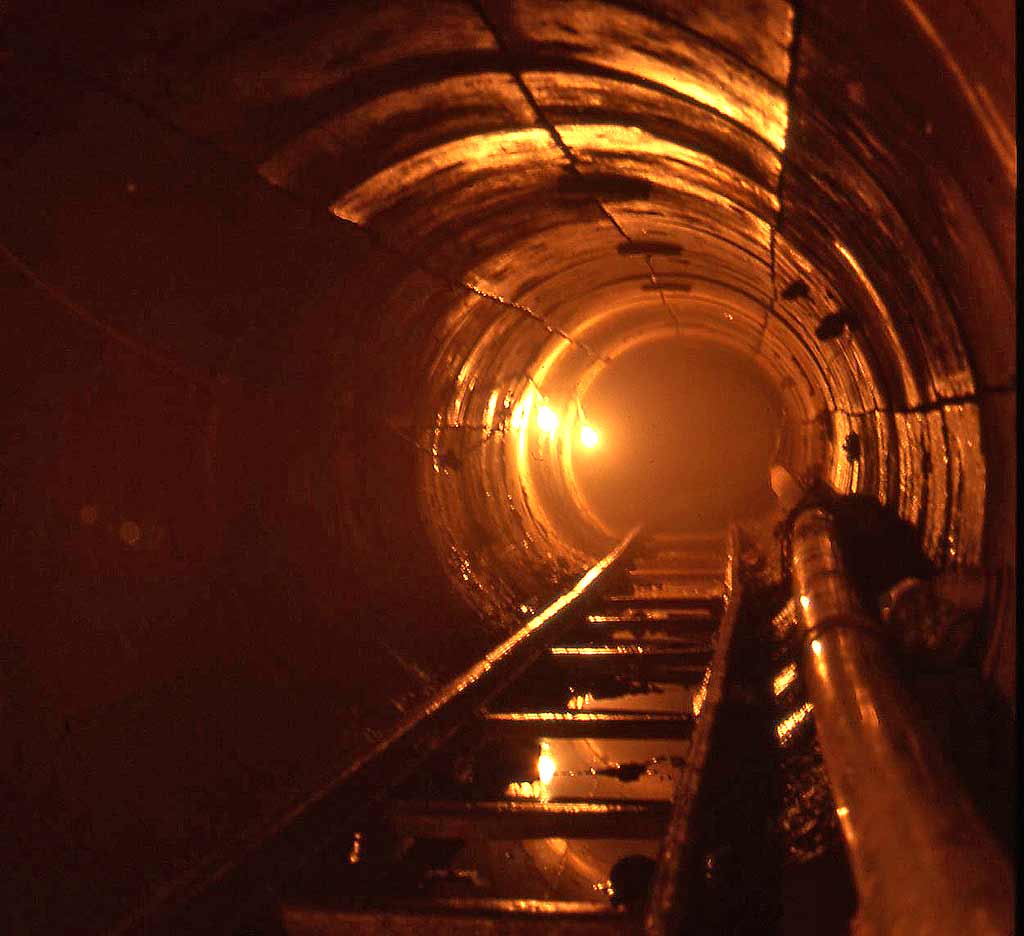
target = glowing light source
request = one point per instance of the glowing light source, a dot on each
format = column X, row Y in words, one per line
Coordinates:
column 805, row 602
column 547, row 419
column 816, row 647
column 589, row 437
column 545, row 765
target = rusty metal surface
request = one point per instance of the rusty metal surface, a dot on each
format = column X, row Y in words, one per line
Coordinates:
column 666, row 904
column 625, row 650
column 224, row 893
column 709, row 593
column 497, row 917
column 602, row 797
column 923, row 861
column 526, row 820
column 588, row 724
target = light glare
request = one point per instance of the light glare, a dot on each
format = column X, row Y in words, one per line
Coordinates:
column 785, row 727
column 785, row 679
column 589, row 437
column 547, row 419
column 545, row 765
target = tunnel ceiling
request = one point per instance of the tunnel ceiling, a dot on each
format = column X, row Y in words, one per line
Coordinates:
column 572, row 178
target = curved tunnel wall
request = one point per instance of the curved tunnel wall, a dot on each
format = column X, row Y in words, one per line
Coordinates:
column 284, row 278
column 579, row 168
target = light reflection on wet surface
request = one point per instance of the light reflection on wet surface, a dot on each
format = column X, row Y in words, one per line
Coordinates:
column 604, row 769
column 649, row 697
column 784, row 679
column 789, row 724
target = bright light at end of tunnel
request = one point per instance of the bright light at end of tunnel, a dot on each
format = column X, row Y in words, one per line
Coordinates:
column 589, row 437
column 547, row 419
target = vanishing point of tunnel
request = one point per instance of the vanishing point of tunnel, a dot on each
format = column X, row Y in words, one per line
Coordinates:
column 340, row 337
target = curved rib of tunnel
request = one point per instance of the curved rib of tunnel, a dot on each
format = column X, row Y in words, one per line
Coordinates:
column 313, row 306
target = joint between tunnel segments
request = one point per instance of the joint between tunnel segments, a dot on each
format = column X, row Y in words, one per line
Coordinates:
column 664, row 300
column 703, row 39
column 457, row 284
column 181, row 370
column 780, row 181
column 517, row 77
column 155, row 356
column 538, row 112
column 536, row 317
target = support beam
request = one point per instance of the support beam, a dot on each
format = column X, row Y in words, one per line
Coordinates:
column 618, row 652
column 702, row 594
column 530, row 820
column 459, row 916
column 588, row 724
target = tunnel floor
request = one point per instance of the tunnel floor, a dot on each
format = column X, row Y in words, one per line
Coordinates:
column 552, row 807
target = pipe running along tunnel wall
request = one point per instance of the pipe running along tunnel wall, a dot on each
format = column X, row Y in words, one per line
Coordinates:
column 293, row 282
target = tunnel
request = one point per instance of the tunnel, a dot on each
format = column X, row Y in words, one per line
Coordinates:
column 339, row 336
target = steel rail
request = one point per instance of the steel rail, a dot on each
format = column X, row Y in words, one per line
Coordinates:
column 229, row 890
column 665, row 912
column 923, row 861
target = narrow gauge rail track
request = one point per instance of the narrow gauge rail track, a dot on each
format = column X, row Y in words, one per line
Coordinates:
column 572, row 751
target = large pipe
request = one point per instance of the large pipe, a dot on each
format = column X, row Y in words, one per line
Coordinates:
column 923, row 861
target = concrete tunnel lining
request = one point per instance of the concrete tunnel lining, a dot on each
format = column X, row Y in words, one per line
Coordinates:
column 401, row 185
